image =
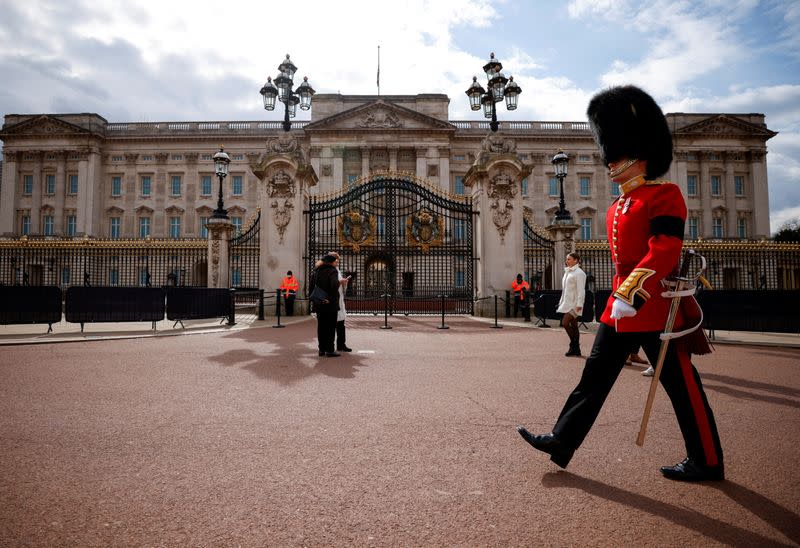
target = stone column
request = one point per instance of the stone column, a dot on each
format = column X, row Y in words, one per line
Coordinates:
column 191, row 181
column 130, row 194
column 8, row 193
column 393, row 150
column 422, row 162
column 338, row 168
column 494, row 180
column 219, row 232
column 444, row 168
column 705, row 194
column 758, row 178
column 94, row 190
column 681, row 173
column 285, row 177
column 730, row 196
column 61, row 190
column 36, row 195
column 364, row 161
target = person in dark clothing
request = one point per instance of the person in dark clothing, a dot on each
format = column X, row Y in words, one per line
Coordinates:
column 326, row 277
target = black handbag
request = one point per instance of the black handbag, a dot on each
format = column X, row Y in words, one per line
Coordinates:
column 318, row 296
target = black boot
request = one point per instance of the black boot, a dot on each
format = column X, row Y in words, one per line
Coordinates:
column 550, row 444
column 691, row 470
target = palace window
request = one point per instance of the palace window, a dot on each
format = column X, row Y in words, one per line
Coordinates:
column 146, row 185
column 114, row 225
column 116, row 186
column 177, row 157
column 205, row 185
column 237, row 225
column 49, row 225
column 524, row 185
column 459, row 158
column 691, row 185
column 459, row 278
column 458, row 230
column 381, row 225
column 716, row 185
column 586, row 228
column 236, row 277
column 27, row 184
column 458, row 185
column 716, row 228
column 72, row 225
column 25, row 225
column 614, row 189
column 50, row 183
column 203, row 228
column 692, row 230
column 553, row 186
column 237, row 157
column 73, row 184
column 585, row 188
column 147, row 158
column 351, row 181
column 117, row 158
column 144, row 227
column 584, row 158
column 144, row 277
column 738, row 183
column 176, row 185
column 66, row 276
column 237, row 185
column 741, row 228
column 175, row 227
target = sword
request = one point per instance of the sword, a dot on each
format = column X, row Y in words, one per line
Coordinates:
column 678, row 287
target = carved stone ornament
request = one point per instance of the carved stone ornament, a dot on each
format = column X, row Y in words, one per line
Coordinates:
column 215, row 261
column 501, row 193
column 281, row 186
column 286, row 145
column 356, row 229
column 498, row 144
column 327, row 170
column 282, row 216
column 425, row 229
column 379, row 118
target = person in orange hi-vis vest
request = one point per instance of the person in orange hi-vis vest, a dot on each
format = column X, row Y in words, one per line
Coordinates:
column 290, row 287
column 521, row 288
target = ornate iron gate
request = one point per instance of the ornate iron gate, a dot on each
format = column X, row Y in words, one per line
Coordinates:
column 244, row 256
column 404, row 244
column 539, row 257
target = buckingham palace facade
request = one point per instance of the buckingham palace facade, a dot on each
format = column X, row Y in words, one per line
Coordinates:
column 80, row 175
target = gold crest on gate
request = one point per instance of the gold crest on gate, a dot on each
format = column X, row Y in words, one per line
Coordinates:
column 424, row 229
column 356, row 229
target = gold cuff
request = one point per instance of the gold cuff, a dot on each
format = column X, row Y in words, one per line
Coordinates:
column 633, row 284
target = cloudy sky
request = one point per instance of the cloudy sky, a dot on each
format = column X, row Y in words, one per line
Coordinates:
column 174, row 60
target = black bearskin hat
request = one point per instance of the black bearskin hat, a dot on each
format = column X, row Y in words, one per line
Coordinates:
column 627, row 123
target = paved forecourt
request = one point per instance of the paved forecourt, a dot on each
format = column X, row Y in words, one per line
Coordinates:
column 246, row 437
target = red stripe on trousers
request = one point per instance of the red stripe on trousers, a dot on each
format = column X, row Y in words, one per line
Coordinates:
column 700, row 415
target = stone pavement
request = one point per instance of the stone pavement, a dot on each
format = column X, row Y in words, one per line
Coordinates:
column 245, row 437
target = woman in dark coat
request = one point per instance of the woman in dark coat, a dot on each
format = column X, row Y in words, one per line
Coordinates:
column 326, row 277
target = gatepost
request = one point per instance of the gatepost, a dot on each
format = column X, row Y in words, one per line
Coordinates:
column 219, row 234
column 563, row 243
column 285, row 178
column 495, row 181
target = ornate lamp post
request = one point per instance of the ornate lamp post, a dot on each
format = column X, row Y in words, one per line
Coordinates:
column 560, row 162
column 221, row 161
column 282, row 89
column 499, row 88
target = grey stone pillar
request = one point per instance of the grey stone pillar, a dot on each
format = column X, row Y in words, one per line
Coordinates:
column 730, row 196
column 36, row 195
column 494, row 180
column 8, row 193
column 705, row 194
column 61, row 190
column 760, row 186
column 219, row 232
column 285, row 177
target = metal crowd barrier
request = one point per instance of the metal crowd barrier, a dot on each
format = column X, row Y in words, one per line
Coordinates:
column 30, row 304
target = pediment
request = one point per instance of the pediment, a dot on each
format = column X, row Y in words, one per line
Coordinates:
column 725, row 125
column 114, row 210
column 204, row 210
column 175, row 210
column 380, row 115
column 44, row 125
column 143, row 210
column 587, row 210
column 236, row 210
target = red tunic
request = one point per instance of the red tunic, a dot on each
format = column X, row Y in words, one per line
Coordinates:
column 645, row 231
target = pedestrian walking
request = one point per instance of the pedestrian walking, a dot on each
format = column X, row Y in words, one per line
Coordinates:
column 573, row 294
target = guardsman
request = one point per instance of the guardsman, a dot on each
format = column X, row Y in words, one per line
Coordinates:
column 521, row 288
column 290, row 287
column 645, row 232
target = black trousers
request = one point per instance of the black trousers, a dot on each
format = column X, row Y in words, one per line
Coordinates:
column 289, row 302
column 341, row 338
column 326, row 328
column 522, row 304
column 678, row 377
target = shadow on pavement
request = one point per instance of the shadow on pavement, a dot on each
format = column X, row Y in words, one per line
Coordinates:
column 779, row 517
column 287, row 356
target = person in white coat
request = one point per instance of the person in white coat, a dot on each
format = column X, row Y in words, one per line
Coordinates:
column 571, row 303
column 342, row 313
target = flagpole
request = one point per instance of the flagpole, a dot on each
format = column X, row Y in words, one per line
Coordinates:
column 379, row 70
